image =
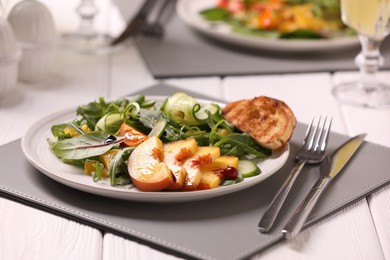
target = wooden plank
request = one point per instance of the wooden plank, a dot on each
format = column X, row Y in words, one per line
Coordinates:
column 115, row 247
column 348, row 234
column 379, row 203
column 28, row 233
column 374, row 122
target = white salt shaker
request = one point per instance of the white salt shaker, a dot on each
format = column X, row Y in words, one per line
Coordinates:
column 35, row 32
column 10, row 55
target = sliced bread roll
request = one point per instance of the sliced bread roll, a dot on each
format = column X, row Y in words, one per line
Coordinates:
column 269, row 121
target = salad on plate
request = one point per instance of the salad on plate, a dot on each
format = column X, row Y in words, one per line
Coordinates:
column 280, row 19
column 173, row 145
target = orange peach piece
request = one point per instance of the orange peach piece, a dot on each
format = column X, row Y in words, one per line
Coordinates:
column 211, row 177
column 175, row 154
column 204, row 155
column 209, row 180
column 146, row 167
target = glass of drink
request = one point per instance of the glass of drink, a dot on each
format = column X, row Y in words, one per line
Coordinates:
column 371, row 19
column 86, row 39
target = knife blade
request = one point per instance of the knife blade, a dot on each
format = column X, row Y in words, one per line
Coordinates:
column 329, row 169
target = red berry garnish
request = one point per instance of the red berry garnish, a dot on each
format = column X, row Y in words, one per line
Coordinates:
column 230, row 173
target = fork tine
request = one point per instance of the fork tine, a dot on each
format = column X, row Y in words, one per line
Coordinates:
column 314, row 137
column 156, row 28
column 325, row 137
column 320, row 134
column 163, row 9
column 135, row 23
column 308, row 133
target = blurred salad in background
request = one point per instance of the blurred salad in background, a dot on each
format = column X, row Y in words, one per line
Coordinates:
column 289, row 19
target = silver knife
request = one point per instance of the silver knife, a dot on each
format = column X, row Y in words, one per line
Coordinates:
column 329, row 168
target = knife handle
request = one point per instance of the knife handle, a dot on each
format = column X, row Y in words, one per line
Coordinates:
column 273, row 209
column 297, row 220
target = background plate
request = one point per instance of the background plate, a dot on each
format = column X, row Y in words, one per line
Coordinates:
column 188, row 11
column 36, row 150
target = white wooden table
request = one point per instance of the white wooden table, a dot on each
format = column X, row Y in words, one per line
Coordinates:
column 360, row 231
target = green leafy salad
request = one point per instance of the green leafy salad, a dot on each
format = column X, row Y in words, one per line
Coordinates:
column 104, row 134
column 288, row 19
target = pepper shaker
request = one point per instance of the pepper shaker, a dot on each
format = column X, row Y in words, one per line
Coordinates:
column 35, row 32
column 10, row 55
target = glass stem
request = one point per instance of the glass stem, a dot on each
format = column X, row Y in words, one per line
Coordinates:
column 87, row 11
column 369, row 61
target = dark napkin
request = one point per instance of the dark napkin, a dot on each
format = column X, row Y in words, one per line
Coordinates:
column 219, row 228
column 182, row 52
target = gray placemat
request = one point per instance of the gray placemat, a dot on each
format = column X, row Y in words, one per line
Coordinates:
column 219, row 228
column 184, row 53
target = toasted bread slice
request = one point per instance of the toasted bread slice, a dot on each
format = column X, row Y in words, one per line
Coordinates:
column 269, row 121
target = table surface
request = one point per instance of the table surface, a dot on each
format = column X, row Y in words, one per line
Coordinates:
column 360, row 231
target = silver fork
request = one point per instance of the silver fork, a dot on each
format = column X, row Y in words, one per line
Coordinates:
column 156, row 28
column 312, row 151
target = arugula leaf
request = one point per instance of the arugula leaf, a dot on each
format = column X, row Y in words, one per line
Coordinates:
column 77, row 163
column 215, row 14
column 239, row 144
column 92, row 111
column 75, row 148
column 295, row 2
column 247, row 144
column 239, row 178
column 172, row 133
column 240, row 27
column 301, row 34
column 231, row 150
column 150, row 117
column 97, row 173
column 213, row 134
column 118, row 175
column 58, row 130
column 203, row 140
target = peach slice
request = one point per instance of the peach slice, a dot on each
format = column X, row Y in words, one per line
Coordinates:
column 204, row 155
column 146, row 167
column 209, row 180
column 175, row 154
column 211, row 177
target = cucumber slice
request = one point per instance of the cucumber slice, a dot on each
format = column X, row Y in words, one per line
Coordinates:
column 202, row 115
column 248, row 168
column 158, row 128
column 110, row 123
column 179, row 108
column 148, row 104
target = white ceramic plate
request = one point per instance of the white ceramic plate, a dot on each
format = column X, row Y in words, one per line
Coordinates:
column 38, row 153
column 188, row 11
